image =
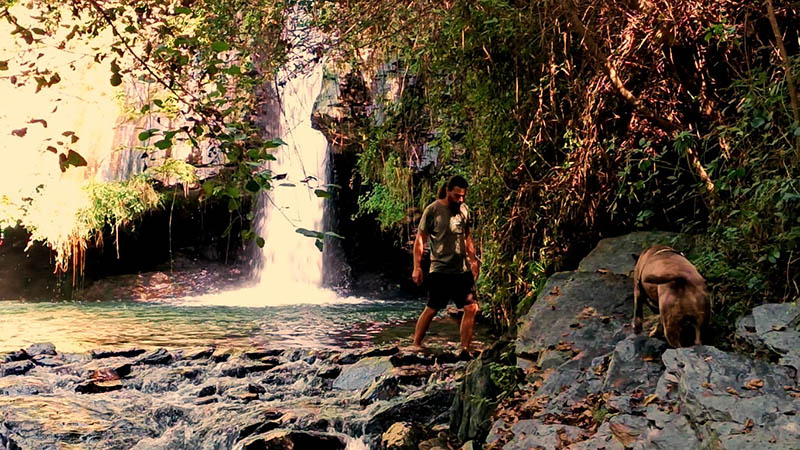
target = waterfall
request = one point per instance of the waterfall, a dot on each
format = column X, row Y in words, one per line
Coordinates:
column 290, row 264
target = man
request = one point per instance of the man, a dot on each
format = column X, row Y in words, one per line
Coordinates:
column 454, row 266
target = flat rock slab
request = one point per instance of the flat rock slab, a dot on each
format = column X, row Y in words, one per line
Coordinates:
column 361, row 374
column 715, row 386
column 614, row 254
column 530, row 434
column 16, row 367
column 577, row 312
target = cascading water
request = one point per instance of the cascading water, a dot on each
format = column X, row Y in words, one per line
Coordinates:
column 291, row 265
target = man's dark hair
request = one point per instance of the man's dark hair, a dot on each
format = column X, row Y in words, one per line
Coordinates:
column 454, row 181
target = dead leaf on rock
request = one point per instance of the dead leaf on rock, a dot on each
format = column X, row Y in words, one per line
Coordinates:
column 732, row 391
column 650, row 399
column 555, row 291
column 603, row 271
column 748, row 425
column 707, row 359
column 754, row 384
column 626, row 435
column 708, row 385
column 650, row 358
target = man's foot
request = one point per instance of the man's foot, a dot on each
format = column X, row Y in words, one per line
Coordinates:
column 466, row 355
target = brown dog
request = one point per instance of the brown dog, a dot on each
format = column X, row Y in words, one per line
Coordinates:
column 671, row 286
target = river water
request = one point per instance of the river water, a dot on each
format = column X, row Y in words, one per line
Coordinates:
column 80, row 327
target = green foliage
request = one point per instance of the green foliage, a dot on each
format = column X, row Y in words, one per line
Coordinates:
column 504, row 377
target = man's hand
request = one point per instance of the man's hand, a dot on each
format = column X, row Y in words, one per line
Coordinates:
column 417, row 276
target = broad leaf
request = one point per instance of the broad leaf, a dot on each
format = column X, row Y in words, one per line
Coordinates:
column 75, row 159
column 219, row 46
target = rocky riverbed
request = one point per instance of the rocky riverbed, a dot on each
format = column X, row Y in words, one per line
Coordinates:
column 207, row 398
column 573, row 377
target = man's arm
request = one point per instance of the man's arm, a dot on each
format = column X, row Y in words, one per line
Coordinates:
column 419, row 249
column 472, row 258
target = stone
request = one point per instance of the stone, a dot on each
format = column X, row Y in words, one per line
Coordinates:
column 475, row 399
column 329, row 373
column 207, row 391
column 411, row 359
column 159, row 356
column 263, row 353
column 16, row 367
column 98, row 387
column 531, row 434
column 701, row 377
column 635, row 364
column 44, row 348
column 18, row 355
column 614, row 254
column 577, row 314
column 423, row 406
column 199, row 353
column 127, row 353
column 603, row 439
column 47, row 361
column 361, row 374
column 384, row 388
column 281, row 439
column 403, row 436
column 241, row 371
column 776, row 317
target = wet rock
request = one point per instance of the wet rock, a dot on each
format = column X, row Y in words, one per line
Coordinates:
column 18, row 355
column 97, row 387
column 207, row 391
column 403, row 436
column 263, row 353
column 530, row 434
column 413, row 375
column 199, row 353
column 329, row 373
column 110, row 374
column 384, row 388
column 16, row 368
column 362, row 373
column 44, row 348
column 206, row 401
column 241, row 371
column 255, row 389
column 423, row 406
column 577, row 313
column 293, row 440
column 155, row 357
column 260, row 423
column 128, row 353
column 475, row 398
column 354, row 357
column 48, row 361
column 410, row 359
column 614, row 254
column 221, row 357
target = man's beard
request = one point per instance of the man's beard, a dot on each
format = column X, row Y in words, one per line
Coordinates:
column 455, row 207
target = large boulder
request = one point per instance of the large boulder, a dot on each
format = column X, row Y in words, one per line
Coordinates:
column 361, row 374
column 577, row 314
column 293, row 440
column 476, row 397
column 614, row 254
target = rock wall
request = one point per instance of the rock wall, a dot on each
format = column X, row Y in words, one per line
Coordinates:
column 592, row 384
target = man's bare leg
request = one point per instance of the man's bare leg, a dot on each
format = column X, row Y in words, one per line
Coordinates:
column 468, row 325
column 423, row 323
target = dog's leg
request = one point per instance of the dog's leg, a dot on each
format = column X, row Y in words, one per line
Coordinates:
column 637, row 308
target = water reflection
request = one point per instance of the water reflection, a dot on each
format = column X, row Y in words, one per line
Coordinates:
column 80, row 327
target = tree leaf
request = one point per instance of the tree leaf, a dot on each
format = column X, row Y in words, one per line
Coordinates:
column 41, row 121
column 20, row 132
column 310, row 233
column 321, row 193
column 331, row 234
column 260, row 242
column 320, row 245
column 182, row 10
column 115, row 80
column 252, row 186
column 275, row 142
column 219, row 46
column 163, row 144
column 4, row 65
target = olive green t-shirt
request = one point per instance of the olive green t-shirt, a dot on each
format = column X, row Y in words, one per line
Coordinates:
column 447, row 233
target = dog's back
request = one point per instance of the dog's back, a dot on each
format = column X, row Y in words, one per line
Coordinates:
column 668, row 278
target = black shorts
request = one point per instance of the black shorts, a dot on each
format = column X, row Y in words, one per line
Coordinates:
column 443, row 287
